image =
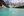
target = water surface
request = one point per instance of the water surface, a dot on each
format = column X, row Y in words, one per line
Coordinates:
column 12, row 12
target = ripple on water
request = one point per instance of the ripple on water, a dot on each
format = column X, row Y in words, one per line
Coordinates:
column 12, row 12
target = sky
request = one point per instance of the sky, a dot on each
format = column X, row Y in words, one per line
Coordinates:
column 7, row 0
column 13, row 1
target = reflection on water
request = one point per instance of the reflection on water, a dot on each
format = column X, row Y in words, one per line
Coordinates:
column 12, row 12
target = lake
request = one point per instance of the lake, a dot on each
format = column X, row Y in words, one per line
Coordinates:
column 11, row 11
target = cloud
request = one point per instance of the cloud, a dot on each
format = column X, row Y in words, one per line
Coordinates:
column 14, row 1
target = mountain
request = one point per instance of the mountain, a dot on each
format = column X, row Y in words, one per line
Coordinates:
column 17, row 4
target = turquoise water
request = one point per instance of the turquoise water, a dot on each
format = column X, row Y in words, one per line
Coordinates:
column 11, row 11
